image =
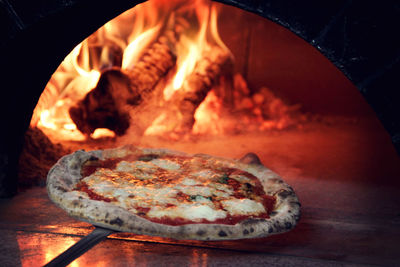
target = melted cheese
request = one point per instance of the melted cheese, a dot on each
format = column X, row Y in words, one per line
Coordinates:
column 195, row 190
column 206, row 175
column 166, row 164
column 188, row 181
column 243, row 207
column 165, row 190
column 141, row 170
column 193, row 212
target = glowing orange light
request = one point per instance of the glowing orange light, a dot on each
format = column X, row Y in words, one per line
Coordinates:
column 46, row 249
column 101, row 133
column 207, row 116
column 126, row 37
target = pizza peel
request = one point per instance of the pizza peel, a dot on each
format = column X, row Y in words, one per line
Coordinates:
column 100, row 233
column 80, row 247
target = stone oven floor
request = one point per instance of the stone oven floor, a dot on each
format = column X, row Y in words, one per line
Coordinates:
column 346, row 178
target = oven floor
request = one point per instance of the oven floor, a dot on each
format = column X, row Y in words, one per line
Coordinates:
column 347, row 182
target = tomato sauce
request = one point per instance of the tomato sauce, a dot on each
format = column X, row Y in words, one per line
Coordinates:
column 163, row 177
column 142, row 210
column 229, row 220
column 181, row 197
column 82, row 186
column 90, row 166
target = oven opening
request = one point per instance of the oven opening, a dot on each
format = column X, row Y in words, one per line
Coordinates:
column 183, row 76
column 204, row 77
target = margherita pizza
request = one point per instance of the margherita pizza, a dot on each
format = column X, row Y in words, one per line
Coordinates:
column 172, row 194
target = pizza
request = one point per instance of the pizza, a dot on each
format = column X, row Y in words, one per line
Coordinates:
column 167, row 193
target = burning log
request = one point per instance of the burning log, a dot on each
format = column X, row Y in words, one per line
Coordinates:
column 101, row 108
column 107, row 105
column 204, row 77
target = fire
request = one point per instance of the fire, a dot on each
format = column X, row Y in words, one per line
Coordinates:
column 208, row 116
column 192, row 47
column 101, row 133
column 134, row 49
column 190, row 50
column 80, row 71
column 193, row 82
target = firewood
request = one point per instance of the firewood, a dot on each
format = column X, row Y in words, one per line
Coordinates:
column 96, row 47
column 100, row 109
column 205, row 76
column 117, row 91
column 154, row 64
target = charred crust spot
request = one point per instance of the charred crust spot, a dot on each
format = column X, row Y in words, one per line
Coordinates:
column 276, row 180
column 273, row 213
column 250, row 221
column 139, row 229
column 222, row 233
column 75, row 203
column 251, row 229
column 93, row 158
column 288, row 225
column 279, row 227
column 289, row 211
column 74, row 165
column 295, row 203
column 107, row 214
column 270, row 230
column 200, row 232
column 117, row 221
column 62, row 189
column 248, row 186
column 246, row 232
column 284, row 194
column 149, row 157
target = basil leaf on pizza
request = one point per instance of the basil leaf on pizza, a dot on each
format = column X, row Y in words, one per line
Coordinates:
column 172, row 194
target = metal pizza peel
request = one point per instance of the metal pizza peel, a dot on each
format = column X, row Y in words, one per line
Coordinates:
column 100, row 233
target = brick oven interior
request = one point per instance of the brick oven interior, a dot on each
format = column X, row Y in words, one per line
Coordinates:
column 340, row 154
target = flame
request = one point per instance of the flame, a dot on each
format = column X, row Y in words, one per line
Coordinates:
column 134, row 49
column 120, row 43
column 128, row 35
column 208, row 116
column 101, row 133
column 191, row 49
column 80, row 71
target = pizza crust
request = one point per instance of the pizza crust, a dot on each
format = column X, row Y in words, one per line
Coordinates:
column 66, row 173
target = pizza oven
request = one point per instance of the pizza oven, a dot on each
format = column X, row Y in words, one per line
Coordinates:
column 308, row 87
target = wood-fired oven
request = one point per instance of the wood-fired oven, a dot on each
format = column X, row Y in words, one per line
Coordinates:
column 309, row 87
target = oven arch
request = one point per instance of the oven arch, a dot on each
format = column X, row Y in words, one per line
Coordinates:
column 39, row 34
